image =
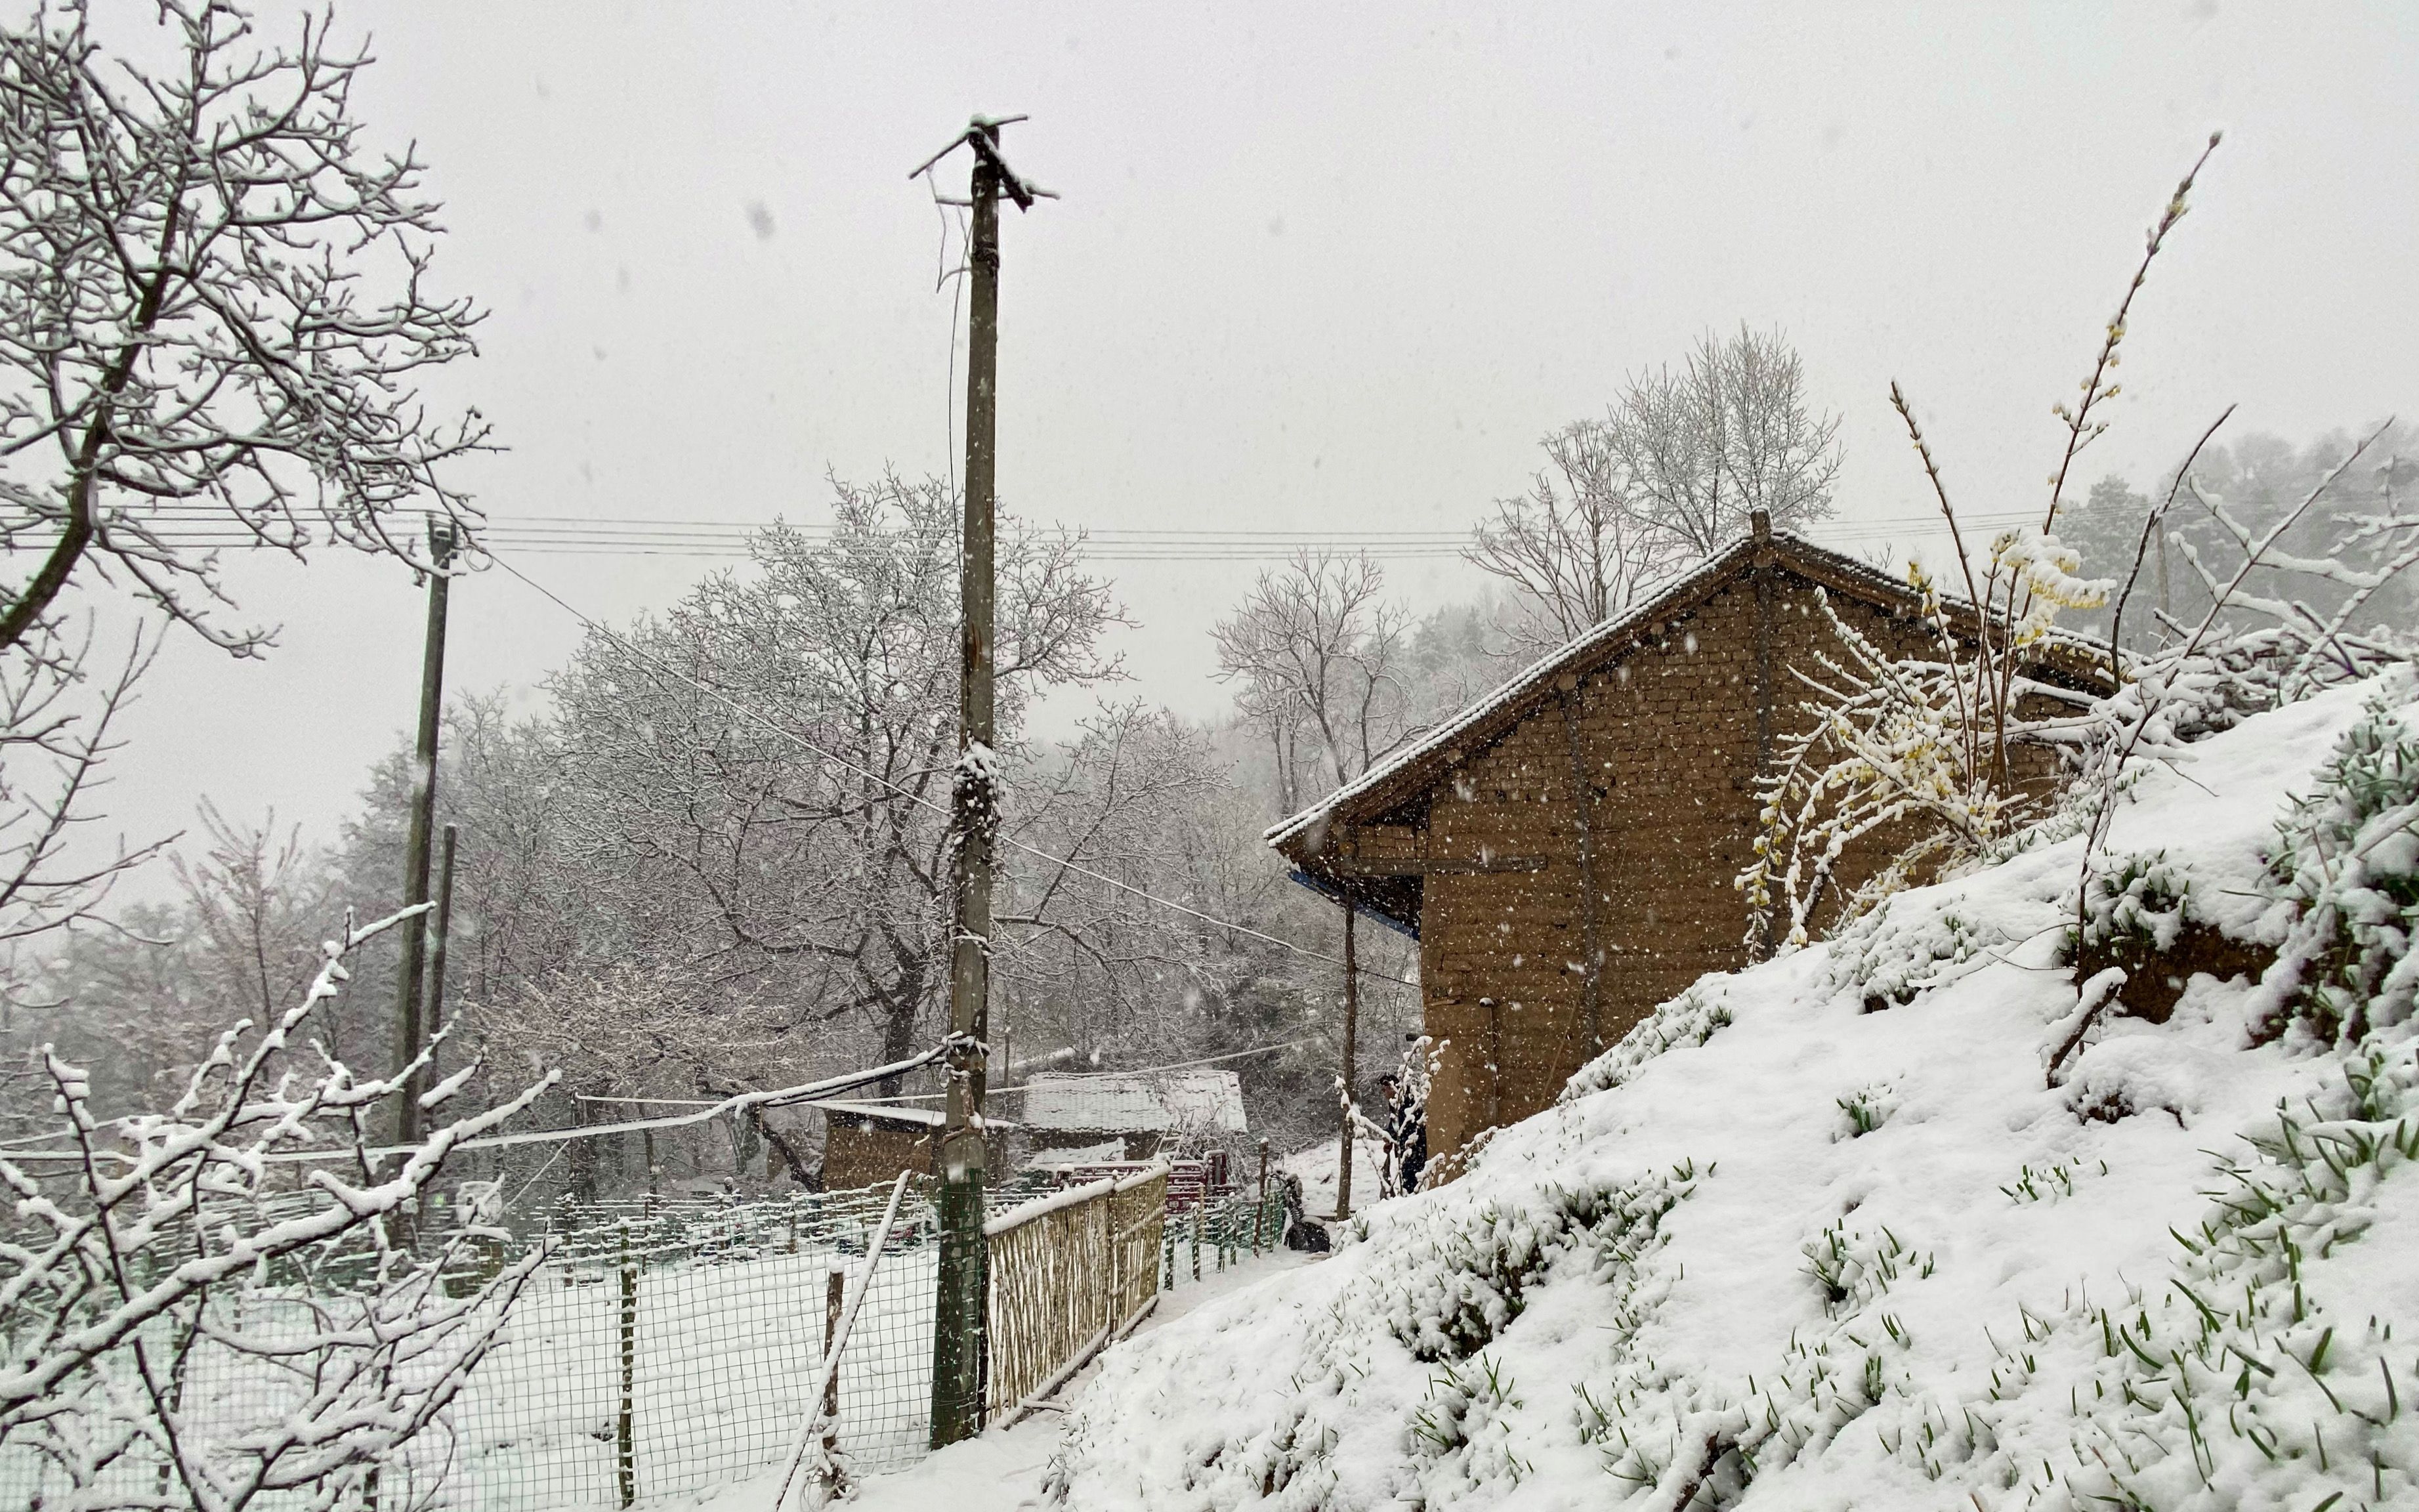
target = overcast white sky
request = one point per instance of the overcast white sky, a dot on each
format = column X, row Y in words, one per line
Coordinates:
column 1314, row 265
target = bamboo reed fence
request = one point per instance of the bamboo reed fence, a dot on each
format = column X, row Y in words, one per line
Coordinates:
column 1068, row 1272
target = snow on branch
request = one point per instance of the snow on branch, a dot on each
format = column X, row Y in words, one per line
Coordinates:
column 216, row 306
column 185, row 1321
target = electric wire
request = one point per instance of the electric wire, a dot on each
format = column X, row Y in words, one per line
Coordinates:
column 201, row 527
column 1021, row 1087
column 739, row 1102
column 1094, row 1075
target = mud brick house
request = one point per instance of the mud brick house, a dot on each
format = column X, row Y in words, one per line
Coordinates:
column 867, row 1144
column 1565, row 849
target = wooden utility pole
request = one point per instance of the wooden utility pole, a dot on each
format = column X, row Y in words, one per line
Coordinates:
column 1344, row 1103
column 958, row 1338
column 409, row 1034
column 433, row 1017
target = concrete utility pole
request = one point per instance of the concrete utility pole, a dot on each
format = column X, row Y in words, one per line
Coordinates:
column 958, row 1340
column 409, row 1034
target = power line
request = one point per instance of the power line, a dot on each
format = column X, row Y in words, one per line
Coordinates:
column 740, row 1101
column 1021, row 1086
column 845, row 765
column 197, row 527
column 1094, row 1075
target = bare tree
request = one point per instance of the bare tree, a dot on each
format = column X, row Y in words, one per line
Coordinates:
column 254, row 904
column 1318, row 637
column 1103, row 820
column 1667, row 477
column 1317, row 642
column 214, row 307
column 55, row 732
column 1576, row 544
column 1727, row 433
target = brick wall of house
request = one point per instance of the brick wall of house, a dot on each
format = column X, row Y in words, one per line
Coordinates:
column 859, row 1153
column 1667, row 744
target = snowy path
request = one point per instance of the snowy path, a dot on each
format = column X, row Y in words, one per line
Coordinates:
column 999, row 1471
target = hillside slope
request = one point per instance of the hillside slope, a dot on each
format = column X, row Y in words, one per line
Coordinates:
column 1822, row 1234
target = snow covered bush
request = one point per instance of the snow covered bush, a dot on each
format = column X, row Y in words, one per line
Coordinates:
column 2002, row 733
column 1692, row 1018
column 2138, row 902
column 1893, row 954
column 223, row 1301
column 2347, row 866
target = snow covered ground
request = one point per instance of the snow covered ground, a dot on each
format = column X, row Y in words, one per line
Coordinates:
column 1003, row 1470
column 1835, row 1233
column 1317, row 1167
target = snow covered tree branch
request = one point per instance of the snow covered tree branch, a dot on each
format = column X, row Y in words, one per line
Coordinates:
column 215, row 305
column 251, row 1227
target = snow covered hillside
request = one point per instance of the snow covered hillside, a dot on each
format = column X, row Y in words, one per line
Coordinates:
column 1836, row 1232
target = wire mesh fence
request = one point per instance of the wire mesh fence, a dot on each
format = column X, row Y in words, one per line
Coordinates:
column 1217, row 1230
column 659, row 1349
column 665, row 1347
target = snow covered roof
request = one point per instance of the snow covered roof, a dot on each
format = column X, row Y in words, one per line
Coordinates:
column 885, row 1112
column 1200, row 1102
column 925, row 1117
column 1388, row 779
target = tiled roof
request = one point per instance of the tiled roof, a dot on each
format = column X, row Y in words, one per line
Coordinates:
column 1200, row 1102
column 1841, row 571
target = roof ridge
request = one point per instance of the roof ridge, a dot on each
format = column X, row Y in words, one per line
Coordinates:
column 1529, row 678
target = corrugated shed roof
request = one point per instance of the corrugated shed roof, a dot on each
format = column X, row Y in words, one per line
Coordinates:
column 1208, row 1100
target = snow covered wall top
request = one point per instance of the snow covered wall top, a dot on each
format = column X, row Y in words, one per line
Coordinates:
column 1779, row 1249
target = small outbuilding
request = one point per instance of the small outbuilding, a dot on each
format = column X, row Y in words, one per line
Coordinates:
column 867, row 1144
column 1140, row 1114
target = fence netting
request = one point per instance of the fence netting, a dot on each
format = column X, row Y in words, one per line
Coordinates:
column 661, row 1349
column 665, row 1347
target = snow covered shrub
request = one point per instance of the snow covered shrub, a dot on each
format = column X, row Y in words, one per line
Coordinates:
column 1459, row 1283
column 1867, row 1108
column 2052, row 1181
column 2347, row 863
column 1854, row 1268
column 2138, row 905
column 218, row 1304
column 1690, row 1019
column 1898, row 951
column 1923, row 748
